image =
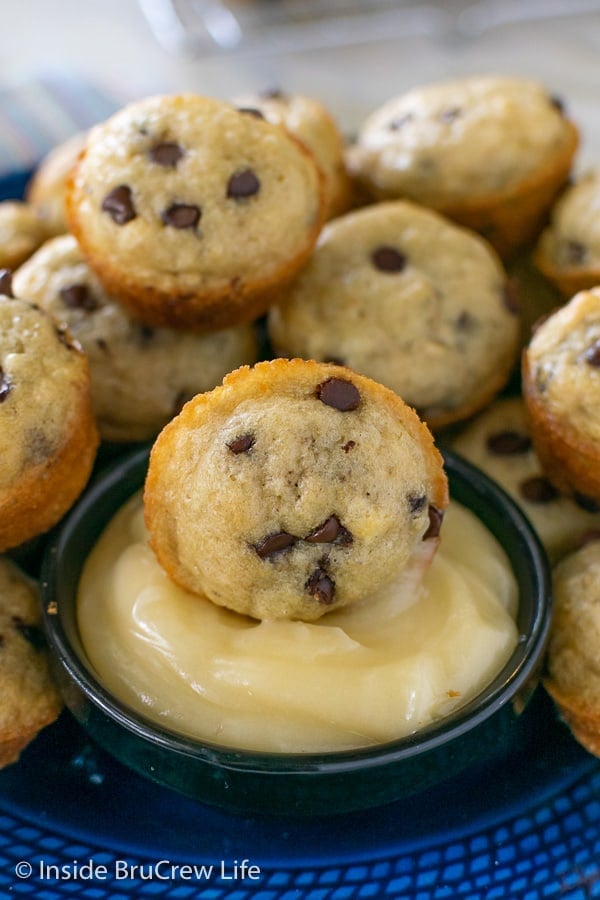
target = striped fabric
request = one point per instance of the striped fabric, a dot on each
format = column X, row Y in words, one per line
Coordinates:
column 38, row 115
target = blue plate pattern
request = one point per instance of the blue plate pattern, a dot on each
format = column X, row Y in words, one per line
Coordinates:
column 526, row 830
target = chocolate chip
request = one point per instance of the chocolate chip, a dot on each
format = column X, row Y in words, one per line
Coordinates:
column 242, row 444
column 349, row 445
column 510, row 297
column 118, row 203
column 272, row 94
column 416, row 502
column 78, row 296
column 328, row 531
column 557, row 102
column 32, row 633
column 251, row 111
column 538, row 489
column 465, row 321
column 1, row 641
column 339, row 393
column 6, row 282
column 576, row 253
column 38, row 446
column 243, row 184
column 388, row 259
column 400, row 121
column 508, row 443
column 586, row 503
column 275, row 543
column 181, row 215
column 592, row 355
column 166, row 154
column 436, row 518
column 146, row 334
column 5, row 385
column 321, row 587
column 450, row 114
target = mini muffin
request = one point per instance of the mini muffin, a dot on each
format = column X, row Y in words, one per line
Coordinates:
column 48, row 435
column 561, row 383
column 308, row 120
column 29, row 699
column 498, row 442
column 568, row 252
column 46, row 189
column 192, row 212
column 293, row 489
column 489, row 152
column 140, row 376
column 573, row 659
column 22, row 231
column 403, row 295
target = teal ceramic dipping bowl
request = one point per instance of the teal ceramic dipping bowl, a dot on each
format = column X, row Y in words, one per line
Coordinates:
column 313, row 783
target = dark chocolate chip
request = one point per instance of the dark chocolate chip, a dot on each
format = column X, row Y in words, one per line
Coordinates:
column 508, row 443
column 349, row 445
column 388, row 259
column 416, row 502
column 510, row 297
column 400, row 121
column 243, row 184
column 465, row 321
column 558, row 103
column 436, row 518
column 242, row 444
column 118, row 203
column 275, row 543
column 101, row 343
column 326, row 532
column 146, row 334
column 339, row 393
column 5, row 385
column 181, row 215
column 166, row 154
column 538, row 489
column 576, row 253
column 321, row 587
column 450, row 114
column 1, row 641
column 251, row 111
column 78, row 296
column 6, row 282
column 33, row 634
column 592, row 355
column 585, row 502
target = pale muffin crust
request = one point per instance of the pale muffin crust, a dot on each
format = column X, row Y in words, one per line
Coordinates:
column 490, row 152
column 48, row 434
column 140, row 376
column 573, row 659
column 29, row 699
column 568, row 251
column 313, row 124
column 45, row 191
column 401, row 294
column 561, row 378
column 294, row 489
column 498, row 441
column 193, row 212
column 22, row 231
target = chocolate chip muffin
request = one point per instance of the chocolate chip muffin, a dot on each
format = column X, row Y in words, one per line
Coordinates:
column 45, row 192
column 573, row 672
column 48, row 435
column 22, row 231
column 499, row 442
column 403, row 295
column 489, row 152
column 140, row 376
column 561, row 383
column 568, row 252
column 293, row 489
column 192, row 212
column 312, row 123
column 29, row 699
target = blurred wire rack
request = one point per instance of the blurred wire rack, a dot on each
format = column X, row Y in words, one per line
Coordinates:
column 205, row 27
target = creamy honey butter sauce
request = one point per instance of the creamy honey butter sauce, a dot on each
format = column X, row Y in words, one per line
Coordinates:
column 357, row 677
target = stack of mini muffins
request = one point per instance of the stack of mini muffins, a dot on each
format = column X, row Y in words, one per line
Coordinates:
column 152, row 246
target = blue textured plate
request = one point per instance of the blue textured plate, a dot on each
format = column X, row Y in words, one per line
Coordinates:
column 75, row 823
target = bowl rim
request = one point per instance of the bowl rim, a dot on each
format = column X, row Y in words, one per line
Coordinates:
column 519, row 671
